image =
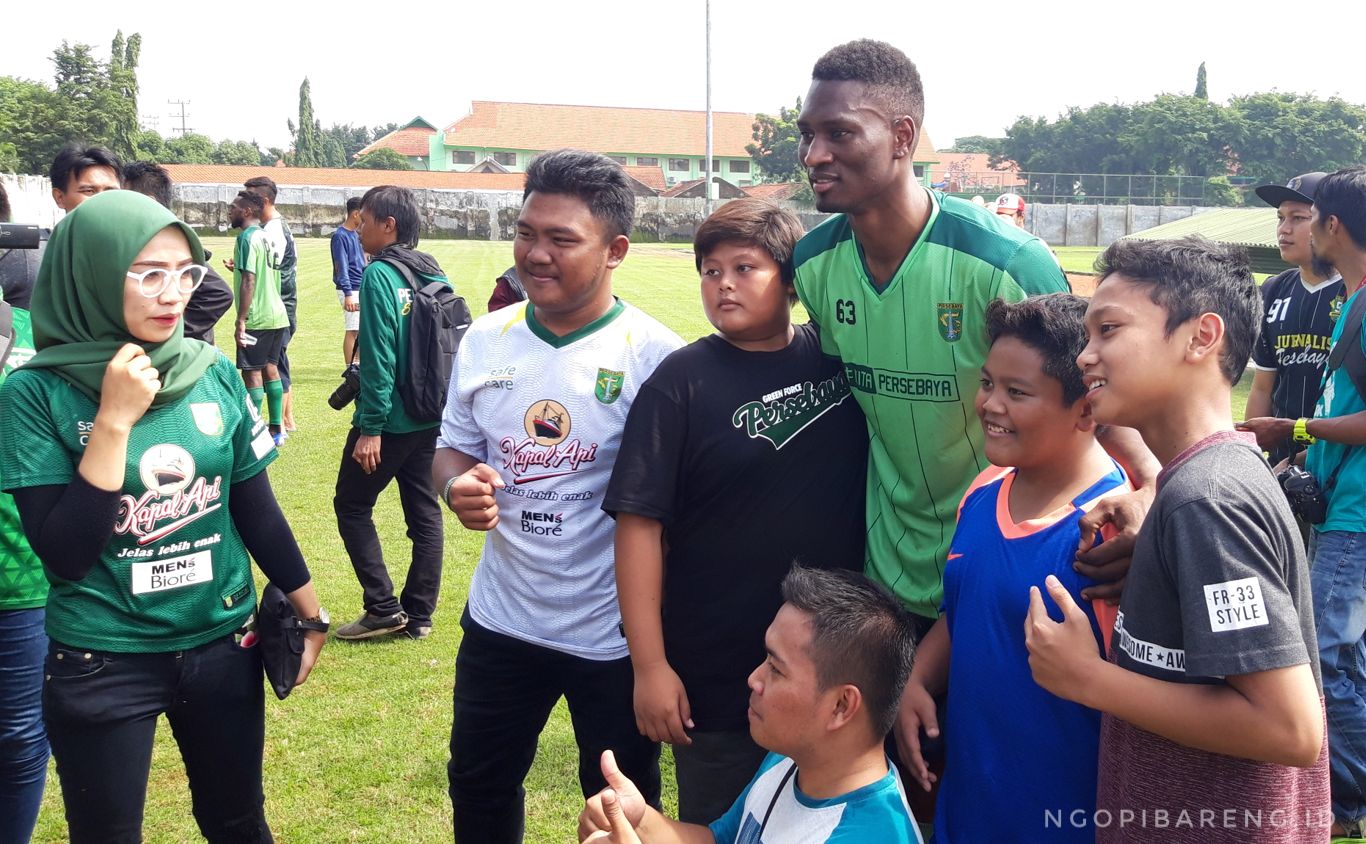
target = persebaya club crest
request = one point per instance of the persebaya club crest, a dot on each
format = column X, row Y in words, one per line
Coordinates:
column 950, row 321
column 608, row 386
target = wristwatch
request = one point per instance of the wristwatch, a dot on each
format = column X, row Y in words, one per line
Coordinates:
column 1302, row 435
column 320, row 622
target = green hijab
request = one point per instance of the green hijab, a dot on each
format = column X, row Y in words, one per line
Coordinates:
column 78, row 297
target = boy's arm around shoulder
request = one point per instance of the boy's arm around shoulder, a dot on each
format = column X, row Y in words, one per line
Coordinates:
column 1268, row 716
column 1213, row 543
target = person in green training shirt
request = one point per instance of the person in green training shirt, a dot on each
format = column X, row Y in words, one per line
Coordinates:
column 262, row 321
column 139, row 475
column 386, row 443
column 23, row 644
column 899, row 280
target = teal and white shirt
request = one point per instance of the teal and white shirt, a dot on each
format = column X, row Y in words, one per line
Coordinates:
column 913, row 353
column 1347, row 498
column 547, row 413
column 773, row 810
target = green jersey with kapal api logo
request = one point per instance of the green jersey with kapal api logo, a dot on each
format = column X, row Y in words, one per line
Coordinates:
column 913, row 353
column 175, row 574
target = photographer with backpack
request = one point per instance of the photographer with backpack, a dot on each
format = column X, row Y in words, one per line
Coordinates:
column 404, row 294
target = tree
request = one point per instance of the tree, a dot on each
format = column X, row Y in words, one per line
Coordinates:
column 1201, row 88
column 151, row 147
column 123, row 84
column 1277, row 135
column 190, row 148
column 308, row 146
column 33, row 119
column 978, row 144
column 1079, row 141
column 333, row 154
column 1179, row 135
column 351, row 138
column 236, row 152
column 774, row 152
column 383, row 158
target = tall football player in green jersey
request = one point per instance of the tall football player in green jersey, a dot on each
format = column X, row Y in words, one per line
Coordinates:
column 899, row 280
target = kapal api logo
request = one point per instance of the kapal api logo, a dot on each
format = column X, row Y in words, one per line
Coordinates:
column 547, row 451
column 174, row 495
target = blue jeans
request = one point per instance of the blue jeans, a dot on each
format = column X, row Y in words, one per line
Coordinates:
column 1338, row 575
column 101, row 711
column 23, row 742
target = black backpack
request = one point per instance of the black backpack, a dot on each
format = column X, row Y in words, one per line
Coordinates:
column 437, row 323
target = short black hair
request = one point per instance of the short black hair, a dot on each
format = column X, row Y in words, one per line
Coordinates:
column 265, row 184
column 1343, row 195
column 353, row 204
column 4, row 204
column 387, row 201
column 74, row 159
column 860, row 635
column 888, row 73
column 596, row 180
column 149, row 178
column 1053, row 325
column 1190, row 276
column 752, row 221
column 252, row 201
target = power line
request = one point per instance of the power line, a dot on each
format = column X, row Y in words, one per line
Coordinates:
column 184, row 130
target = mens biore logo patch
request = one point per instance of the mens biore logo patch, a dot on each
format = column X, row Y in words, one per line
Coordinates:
column 160, row 575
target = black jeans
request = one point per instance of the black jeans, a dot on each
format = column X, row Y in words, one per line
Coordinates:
column 101, row 711
column 406, row 458
column 504, row 691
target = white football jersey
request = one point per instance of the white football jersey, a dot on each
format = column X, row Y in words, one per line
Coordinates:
column 547, row 414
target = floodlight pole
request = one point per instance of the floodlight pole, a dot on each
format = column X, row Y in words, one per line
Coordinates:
column 710, row 186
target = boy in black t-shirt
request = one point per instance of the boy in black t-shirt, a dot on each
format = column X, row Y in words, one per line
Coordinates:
column 742, row 453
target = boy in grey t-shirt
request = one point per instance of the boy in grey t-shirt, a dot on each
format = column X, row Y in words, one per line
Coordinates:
column 1213, row 727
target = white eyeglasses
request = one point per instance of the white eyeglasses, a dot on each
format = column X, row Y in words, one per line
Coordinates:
column 154, row 282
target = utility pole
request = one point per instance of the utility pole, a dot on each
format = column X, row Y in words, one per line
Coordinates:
column 710, row 194
column 182, row 103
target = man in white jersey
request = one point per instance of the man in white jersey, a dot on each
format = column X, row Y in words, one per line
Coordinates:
column 839, row 653
column 533, row 422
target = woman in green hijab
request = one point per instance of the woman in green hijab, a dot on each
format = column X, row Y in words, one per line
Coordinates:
column 138, row 467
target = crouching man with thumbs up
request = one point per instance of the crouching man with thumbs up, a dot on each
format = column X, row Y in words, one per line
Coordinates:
column 839, row 653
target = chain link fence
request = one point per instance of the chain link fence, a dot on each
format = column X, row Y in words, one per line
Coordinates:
column 1103, row 188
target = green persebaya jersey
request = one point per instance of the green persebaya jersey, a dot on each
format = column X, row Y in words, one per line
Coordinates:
column 22, row 584
column 913, row 353
column 252, row 254
column 175, row 574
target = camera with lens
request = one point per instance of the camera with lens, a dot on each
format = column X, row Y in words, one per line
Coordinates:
column 1305, row 495
column 348, row 389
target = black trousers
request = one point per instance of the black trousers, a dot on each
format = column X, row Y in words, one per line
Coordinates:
column 101, row 713
column 504, row 691
column 406, row 458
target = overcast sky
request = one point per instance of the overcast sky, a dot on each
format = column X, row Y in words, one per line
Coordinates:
column 983, row 63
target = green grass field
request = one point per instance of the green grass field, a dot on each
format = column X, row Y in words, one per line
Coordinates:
column 359, row 753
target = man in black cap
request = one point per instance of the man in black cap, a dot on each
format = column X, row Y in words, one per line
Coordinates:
column 1301, row 305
